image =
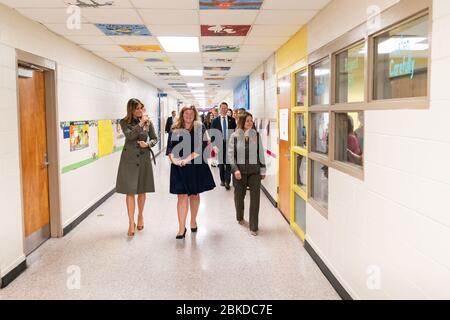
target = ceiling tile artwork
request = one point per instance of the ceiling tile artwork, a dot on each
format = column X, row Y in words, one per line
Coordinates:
column 232, row 37
column 225, row 30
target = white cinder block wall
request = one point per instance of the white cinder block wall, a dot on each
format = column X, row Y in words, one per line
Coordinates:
column 263, row 105
column 395, row 224
column 89, row 88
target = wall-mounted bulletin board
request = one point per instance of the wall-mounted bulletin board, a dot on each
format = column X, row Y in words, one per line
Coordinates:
column 84, row 142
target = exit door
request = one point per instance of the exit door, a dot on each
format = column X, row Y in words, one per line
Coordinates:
column 34, row 157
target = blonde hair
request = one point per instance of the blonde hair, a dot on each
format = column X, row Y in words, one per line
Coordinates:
column 179, row 124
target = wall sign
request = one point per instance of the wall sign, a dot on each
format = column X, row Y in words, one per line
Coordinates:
column 284, row 124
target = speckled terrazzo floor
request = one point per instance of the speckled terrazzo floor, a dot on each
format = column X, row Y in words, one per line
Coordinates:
column 222, row 261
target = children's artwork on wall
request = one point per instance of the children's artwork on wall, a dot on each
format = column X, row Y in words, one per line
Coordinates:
column 105, row 138
column 230, row 4
column 79, row 135
column 123, row 29
column 118, row 133
column 141, row 48
column 225, row 30
column 66, row 132
column 241, row 95
column 77, row 151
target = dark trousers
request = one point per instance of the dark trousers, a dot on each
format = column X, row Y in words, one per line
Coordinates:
column 225, row 173
column 224, row 168
column 253, row 181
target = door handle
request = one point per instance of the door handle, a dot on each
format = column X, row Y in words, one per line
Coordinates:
column 45, row 163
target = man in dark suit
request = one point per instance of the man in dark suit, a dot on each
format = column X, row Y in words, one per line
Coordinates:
column 226, row 125
column 170, row 121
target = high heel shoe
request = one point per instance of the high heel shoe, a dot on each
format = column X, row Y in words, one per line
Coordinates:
column 180, row 237
column 131, row 234
column 140, row 228
column 194, row 230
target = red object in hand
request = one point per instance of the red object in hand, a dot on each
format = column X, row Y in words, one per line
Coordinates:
column 213, row 153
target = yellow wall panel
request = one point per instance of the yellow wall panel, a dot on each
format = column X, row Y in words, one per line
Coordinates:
column 105, row 138
column 293, row 51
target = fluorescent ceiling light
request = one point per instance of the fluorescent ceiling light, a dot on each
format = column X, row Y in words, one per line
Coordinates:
column 180, row 44
column 191, row 73
column 195, row 85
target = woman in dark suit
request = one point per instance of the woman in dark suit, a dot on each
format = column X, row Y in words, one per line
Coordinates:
column 246, row 156
column 135, row 175
column 189, row 173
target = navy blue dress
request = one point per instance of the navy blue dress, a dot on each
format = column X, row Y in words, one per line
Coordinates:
column 196, row 176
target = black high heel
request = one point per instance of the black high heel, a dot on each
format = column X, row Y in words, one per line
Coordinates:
column 180, row 237
column 194, row 230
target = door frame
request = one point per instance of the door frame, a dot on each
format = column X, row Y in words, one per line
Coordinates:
column 280, row 76
column 52, row 128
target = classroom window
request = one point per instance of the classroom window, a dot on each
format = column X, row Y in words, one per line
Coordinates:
column 301, row 78
column 319, row 179
column 300, row 128
column 401, row 61
column 319, row 132
column 300, row 212
column 349, row 137
column 321, row 82
column 350, row 75
column 300, row 168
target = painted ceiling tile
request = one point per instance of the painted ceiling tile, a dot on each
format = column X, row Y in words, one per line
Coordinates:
column 230, row 4
column 225, row 30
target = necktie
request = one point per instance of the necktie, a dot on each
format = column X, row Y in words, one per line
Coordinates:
column 224, row 128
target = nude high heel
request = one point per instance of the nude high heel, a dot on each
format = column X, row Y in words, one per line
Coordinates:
column 131, row 234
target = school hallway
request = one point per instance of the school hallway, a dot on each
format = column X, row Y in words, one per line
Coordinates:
column 346, row 99
column 223, row 261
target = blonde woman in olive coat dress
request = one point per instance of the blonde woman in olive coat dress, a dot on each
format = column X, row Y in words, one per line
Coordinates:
column 135, row 175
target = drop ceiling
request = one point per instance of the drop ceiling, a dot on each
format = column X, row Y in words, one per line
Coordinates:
column 234, row 36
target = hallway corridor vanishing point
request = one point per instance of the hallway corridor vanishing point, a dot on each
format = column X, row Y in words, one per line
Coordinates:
column 223, row 261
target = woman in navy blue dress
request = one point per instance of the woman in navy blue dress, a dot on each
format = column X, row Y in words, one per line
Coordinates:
column 189, row 173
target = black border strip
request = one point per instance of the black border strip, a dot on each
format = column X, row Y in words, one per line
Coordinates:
column 13, row 274
column 85, row 214
column 327, row 273
column 272, row 200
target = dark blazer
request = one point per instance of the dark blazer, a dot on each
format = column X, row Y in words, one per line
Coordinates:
column 169, row 124
column 246, row 152
column 217, row 124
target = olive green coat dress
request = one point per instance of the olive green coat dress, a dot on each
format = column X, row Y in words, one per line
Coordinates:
column 135, row 175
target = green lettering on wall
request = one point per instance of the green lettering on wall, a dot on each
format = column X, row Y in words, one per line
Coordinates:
column 407, row 66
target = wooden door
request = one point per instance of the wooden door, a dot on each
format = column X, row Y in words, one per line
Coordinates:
column 284, row 185
column 34, row 159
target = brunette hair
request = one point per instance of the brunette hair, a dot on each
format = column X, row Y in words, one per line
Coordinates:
column 242, row 119
column 131, row 107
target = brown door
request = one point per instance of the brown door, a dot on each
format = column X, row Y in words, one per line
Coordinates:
column 284, row 103
column 33, row 141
